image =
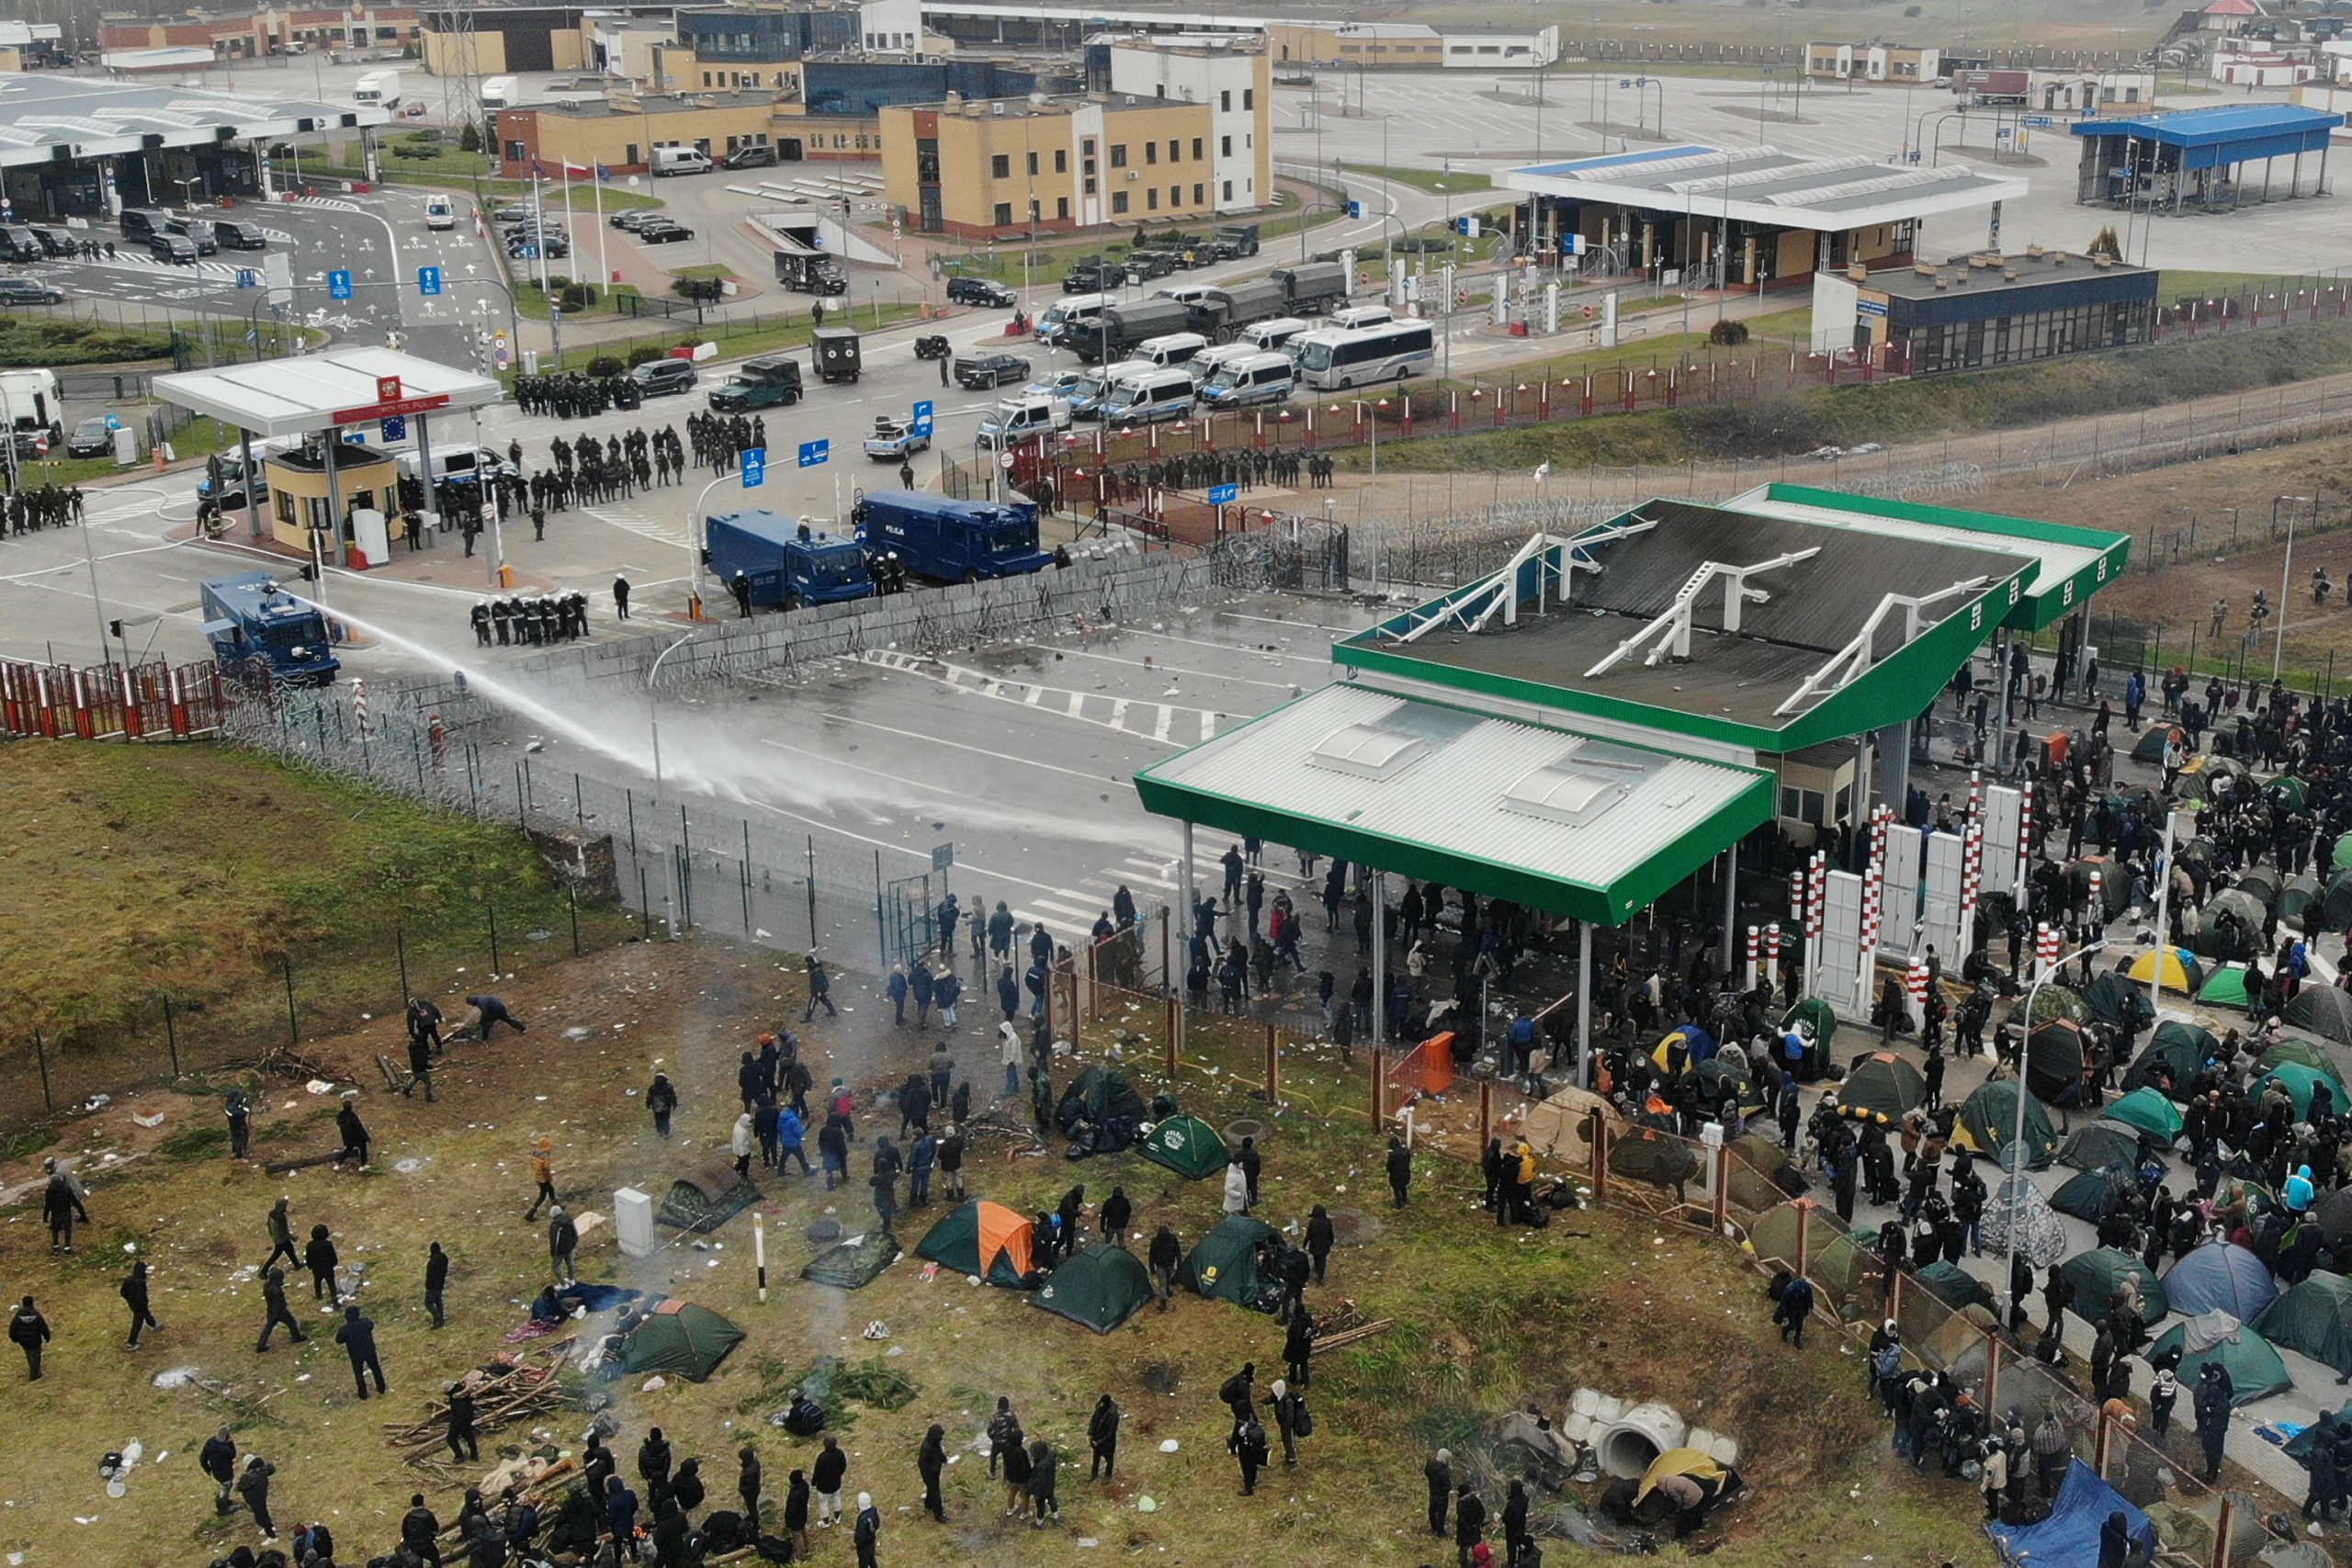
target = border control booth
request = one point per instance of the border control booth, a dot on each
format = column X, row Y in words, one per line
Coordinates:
column 1610, row 716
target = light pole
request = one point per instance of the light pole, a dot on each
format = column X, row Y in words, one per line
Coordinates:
column 1639, row 86
column 1372, row 421
column 653, row 721
column 2025, row 1053
column 695, row 543
column 2285, row 568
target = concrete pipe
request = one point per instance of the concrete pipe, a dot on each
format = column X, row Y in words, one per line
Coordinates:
column 1637, row 1438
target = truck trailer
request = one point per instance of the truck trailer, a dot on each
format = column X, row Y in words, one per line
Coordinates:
column 1122, row 328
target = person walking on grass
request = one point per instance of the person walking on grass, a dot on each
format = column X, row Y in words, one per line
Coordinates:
column 563, row 1240
column 930, row 1463
column 1045, row 1465
column 31, row 1332
column 252, row 1486
column 133, row 1290
column 357, row 1338
column 273, row 1299
column 1102, row 1437
column 826, row 1478
column 543, row 1173
column 868, row 1529
column 321, row 1258
column 437, row 1281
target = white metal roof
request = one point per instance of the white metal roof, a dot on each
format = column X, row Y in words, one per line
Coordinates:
column 292, row 396
column 1543, row 805
column 2053, row 561
column 1766, row 186
column 41, row 111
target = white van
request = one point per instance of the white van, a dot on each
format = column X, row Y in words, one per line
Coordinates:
column 1251, row 379
column 1148, row 397
column 381, row 90
column 1072, row 315
column 440, row 212
column 498, row 93
column 1185, row 293
column 1170, row 349
column 681, row 160
column 1094, row 385
column 1017, row 419
column 1272, row 335
column 1357, row 317
column 1205, row 364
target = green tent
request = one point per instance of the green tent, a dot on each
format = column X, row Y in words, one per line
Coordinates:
column 1100, row 1110
column 678, row 1339
column 2298, row 1447
column 2315, row 1317
column 1101, row 1288
column 1832, row 1260
column 2095, row 1194
column 983, row 1239
column 2096, row 1274
column 1882, row 1087
column 2297, row 895
column 1955, row 1286
column 2322, row 1009
column 706, row 1197
column 2334, row 905
column 2115, row 1000
column 2172, row 1055
column 1646, row 1154
column 2288, row 790
column 853, row 1263
column 2299, row 1081
column 2060, row 1001
column 1988, row 1119
column 2095, row 1146
column 2148, row 1111
column 1187, row 1146
column 2054, row 1062
column 2226, row 988
column 1224, row 1265
column 2261, row 883
column 2150, row 747
column 2114, row 883
column 2302, row 1053
column 2255, row 1371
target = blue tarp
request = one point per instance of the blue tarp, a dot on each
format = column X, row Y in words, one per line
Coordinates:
column 2221, row 1277
column 2069, row 1537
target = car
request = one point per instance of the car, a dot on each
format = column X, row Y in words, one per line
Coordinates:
column 657, row 377
column 19, row 243
column 754, row 157
column 981, row 371
column 93, row 437
column 29, row 291
column 514, row 212
column 199, row 231
column 978, row 291
column 664, row 231
column 236, row 234
column 552, row 247
column 1061, row 386
column 632, row 217
column 895, row 439
column 176, row 249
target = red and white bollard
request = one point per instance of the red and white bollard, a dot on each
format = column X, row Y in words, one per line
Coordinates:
column 1754, row 946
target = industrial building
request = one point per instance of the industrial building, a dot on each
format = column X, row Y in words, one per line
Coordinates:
column 1976, row 312
column 2203, row 159
column 1905, row 64
column 1611, row 714
column 1000, row 170
column 497, row 40
column 265, row 30
column 1752, row 217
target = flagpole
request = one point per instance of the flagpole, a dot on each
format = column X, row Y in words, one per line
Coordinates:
column 567, row 204
column 539, row 226
column 603, row 271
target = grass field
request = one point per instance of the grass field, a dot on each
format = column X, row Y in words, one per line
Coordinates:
column 192, row 871
column 1456, row 180
column 1485, row 1320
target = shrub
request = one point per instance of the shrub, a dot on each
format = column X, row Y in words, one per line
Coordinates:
column 470, row 138
column 2105, row 243
column 605, row 365
column 646, row 355
column 576, row 296
column 1727, row 333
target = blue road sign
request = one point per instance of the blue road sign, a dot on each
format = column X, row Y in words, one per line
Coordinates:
column 248, row 277
column 1870, row 307
column 922, row 417
column 428, row 280
column 339, row 284
column 1355, row 209
column 393, row 428
column 2038, row 121
column 813, row 453
column 756, row 467
column 1224, row 495
column 528, row 253
column 114, row 422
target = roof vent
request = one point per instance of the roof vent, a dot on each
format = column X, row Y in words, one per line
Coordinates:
column 1556, row 792
column 2010, row 272
column 1368, row 751
column 2057, row 258
column 2034, row 251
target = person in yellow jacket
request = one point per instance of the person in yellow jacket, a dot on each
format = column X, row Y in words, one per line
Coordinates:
column 1519, row 1183
column 542, row 1172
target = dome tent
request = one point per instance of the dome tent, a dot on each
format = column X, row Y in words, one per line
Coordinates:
column 2148, row 1111
column 2308, row 1055
column 2322, row 1009
column 2041, row 1240
column 1881, row 1088
column 1187, row 1146
column 1557, row 1127
column 2098, row 1274
column 2315, row 1317
column 2054, row 1062
column 1988, row 1121
column 1955, row 1286
column 2220, row 1275
column 2173, row 1054
column 2183, row 971
column 2115, row 1001
column 2302, row 1083
column 984, row 1239
column 1223, row 1264
column 1838, row 1268
column 1101, row 1287
column 679, row 1338
column 853, row 1264
column 2095, row 1145
column 2095, row 1194
column 2226, row 988
column 1815, row 1023
column 2255, row 1371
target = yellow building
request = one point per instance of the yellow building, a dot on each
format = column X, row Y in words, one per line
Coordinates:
column 620, row 132
column 994, row 168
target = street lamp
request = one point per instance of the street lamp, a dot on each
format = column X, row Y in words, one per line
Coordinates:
column 2049, row 972
column 1372, row 421
column 695, row 542
column 653, row 721
column 1638, row 84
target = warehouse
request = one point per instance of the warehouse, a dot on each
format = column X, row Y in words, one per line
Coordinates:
column 2202, row 160
column 1978, row 312
column 1754, row 218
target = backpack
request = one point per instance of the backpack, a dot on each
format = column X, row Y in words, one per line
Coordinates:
column 1888, row 1363
column 1302, row 1421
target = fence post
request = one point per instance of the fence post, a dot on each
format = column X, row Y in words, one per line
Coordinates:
column 571, row 900
column 2100, row 1448
column 1173, row 1013
column 293, row 1024
column 1600, row 1156
column 400, row 948
column 1274, row 1084
column 522, row 796
column 1722, row 1181
column 491, row 910
column 1379, row 1077
column 41, row 1052
column 578, row 807
column 1486, row 1114
column 1992, row 1370
column 629, row 797
column 171, row 1035
column 812, row 884
column 2225, row 1525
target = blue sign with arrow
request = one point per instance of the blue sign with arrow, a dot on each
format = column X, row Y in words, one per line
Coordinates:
column 756, row 467
column 248, row 277
column 813, row 453
column 1224, row 495
column 339, row 284
column 428, row 280
column 922, row 417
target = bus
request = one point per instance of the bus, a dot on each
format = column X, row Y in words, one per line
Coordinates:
column 1333, row 360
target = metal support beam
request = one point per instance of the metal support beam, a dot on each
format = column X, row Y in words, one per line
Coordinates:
column 1859, row 657
column 1670, row 631
column 1584, row 1005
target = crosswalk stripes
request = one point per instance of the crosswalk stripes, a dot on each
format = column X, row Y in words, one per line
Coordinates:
column 1166, row 724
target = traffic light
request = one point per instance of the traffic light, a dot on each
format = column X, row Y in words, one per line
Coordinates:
column 114, row 630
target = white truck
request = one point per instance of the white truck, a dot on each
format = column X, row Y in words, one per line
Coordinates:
column 32, row 407
column 381, row 90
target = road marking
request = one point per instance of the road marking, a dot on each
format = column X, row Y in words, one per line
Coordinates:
column 979, row 750
column 1157, row 667
column 1160, row 727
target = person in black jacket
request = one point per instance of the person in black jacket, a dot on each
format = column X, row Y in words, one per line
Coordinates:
column 930, row 1463
column 1298, row 1347
column 252, row 1486
column 662, row 1099
column 436, row 1279
column 1439, row 1473
column 1469, row 1522
column 795, row 1513
column 420, row 1531
column 826, row 1477
column 1045, row 1464
column 1118, row 1210
column 1102, row 1437
column 1514, row 1519
column 464, row 1443
column 687, row 1488
column 1166, row 1254
column 273, row 1301
column 1246, row 1443
column 869, row 1527
column 134, row 1296
column 1320, row 1236
column 357, row 1338
column 749, row 1481
column 1400, row 1169
column 319, row 1257
column 217, row 1460
column 654, row 1458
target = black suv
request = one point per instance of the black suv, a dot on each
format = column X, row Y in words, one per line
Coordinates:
column 981, row 371
column 236, row 234
column 657, row 377
column 978, row 291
